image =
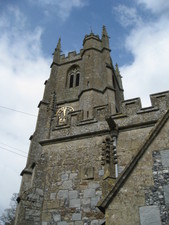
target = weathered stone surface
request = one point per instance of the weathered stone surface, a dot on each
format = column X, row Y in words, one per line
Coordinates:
column 65, row 177
column 150, row 215
column 74, row 203
column 62, row 194
column 166, row 193
column 144, row 186
column 52, row 196
column 44, row 223
column 89, row 193
column 73, row 194
column 165, row 157
column 78, row 223
column 56, row 217
column 95, row 222
column 73, row 175
column 62, row 223
column 76, row 216
column 101, row 173
column 67, row 185
column 88, row 173
column 94, row 201
column 93, row 185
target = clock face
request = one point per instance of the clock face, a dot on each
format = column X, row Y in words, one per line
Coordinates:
column 63, row 112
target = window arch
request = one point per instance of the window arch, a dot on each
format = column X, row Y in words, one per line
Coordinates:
column 73, row 78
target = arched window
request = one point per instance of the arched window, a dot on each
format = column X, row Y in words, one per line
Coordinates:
column 71, row 81
column 77, row 79
column 73, row 78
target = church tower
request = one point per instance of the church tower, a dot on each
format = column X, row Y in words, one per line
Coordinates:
column 72, row 153
column 95, row 158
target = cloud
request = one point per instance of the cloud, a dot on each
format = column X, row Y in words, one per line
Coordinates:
column 128, row 16
column 62, row 8
column 23, row 70
column 155, row 6
column 148, row 73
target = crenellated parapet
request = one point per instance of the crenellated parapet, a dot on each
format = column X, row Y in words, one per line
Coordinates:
column 160, row 100
column 72, row 56
column 131, row 106
column 76, row 122
column 90, row 42
column 132, row 114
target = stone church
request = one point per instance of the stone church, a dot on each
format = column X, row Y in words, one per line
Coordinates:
column 94, row 157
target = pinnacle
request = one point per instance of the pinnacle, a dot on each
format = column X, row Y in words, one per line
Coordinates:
column 104, row 31
column 117, row 69
column 58, row 47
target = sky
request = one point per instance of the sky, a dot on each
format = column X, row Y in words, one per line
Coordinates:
column 29, row 32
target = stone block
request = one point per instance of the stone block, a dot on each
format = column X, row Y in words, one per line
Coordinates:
column 37, row 219
column 86, row 204
column 94, row 222
column 37, row 223
column 93, row 185
column 62, row 223
column 62, row 194
column 39, row 191
column 32, row 212
column 56, row 217
column 52, row 196
column 165, row 157
column 89, row 193
column 150, row 215
column 166, row 194
column 78, row 223
column 73, row 175
column 44, row 223
column 73, row 194
column 101, row 222
column 67, row 184
column 101, row 173
column 86, row 201
column 74, row 203
column 94, row 201
column 99, row 193
column 33, row 196
column 76, row 216
column 64, row 176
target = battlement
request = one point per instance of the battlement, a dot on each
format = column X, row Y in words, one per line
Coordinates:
column 78, row 123
column 90, row 41
column 132, row 115
column 159, row 101
column 71, row 56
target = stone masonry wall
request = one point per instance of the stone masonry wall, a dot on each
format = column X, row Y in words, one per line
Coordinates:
column 158, row 194
column 73, row 183
column 144, row 197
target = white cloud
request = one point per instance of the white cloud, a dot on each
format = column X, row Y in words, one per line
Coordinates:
column 62, row 8
column 128, row 16
column 148, row 73
column 23, row 69
column 156, row 6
